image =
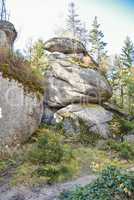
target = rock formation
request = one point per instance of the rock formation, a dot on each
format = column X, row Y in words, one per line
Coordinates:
column 74, row 91
column 21, row 113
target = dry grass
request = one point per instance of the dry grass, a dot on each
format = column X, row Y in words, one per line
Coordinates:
column 18, row 68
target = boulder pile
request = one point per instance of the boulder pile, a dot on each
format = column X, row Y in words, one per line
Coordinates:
column 75, row 93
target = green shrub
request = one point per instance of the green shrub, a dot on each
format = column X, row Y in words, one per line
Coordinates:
column 85, row 137
column 5, row 164
column 111, row 185
column 55, row 160
column 126, row 126
column 55, row 173
column 47, row 150
column 120, row 127
column 124, row 149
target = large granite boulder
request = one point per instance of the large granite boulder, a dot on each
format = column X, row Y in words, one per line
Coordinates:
column 69, row 83
column 93, row 116
column 20, row 113
column 65, row 45
column 75, row 89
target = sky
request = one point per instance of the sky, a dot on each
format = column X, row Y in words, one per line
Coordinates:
column 35, row 19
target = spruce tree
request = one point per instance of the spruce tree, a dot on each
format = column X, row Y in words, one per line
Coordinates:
column 96, row 36
column 73, row 21
column 75, row 28
column 127, row 55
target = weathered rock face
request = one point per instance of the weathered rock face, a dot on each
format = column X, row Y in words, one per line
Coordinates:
column 8, row 35
column 20, row 113
column 92, row 116
column 70, row 83
column 65, row 45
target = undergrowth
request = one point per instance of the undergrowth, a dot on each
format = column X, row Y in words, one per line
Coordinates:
column 125, row 150
column 120, row 127
column 112, row 184
column 48, row 158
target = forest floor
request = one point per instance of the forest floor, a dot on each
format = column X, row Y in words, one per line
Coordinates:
column 45, row 192
column 19, row 182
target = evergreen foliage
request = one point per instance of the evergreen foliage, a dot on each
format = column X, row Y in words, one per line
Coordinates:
column 96, row 41
column 127, row 55
column 73, row 21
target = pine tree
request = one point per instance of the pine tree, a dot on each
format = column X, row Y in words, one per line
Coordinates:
column 127, row 55
column 73, row 21
column 97, row 44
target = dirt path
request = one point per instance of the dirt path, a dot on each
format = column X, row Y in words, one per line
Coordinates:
column 44, row 193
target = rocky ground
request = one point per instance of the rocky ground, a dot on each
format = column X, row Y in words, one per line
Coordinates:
column 39, row 193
